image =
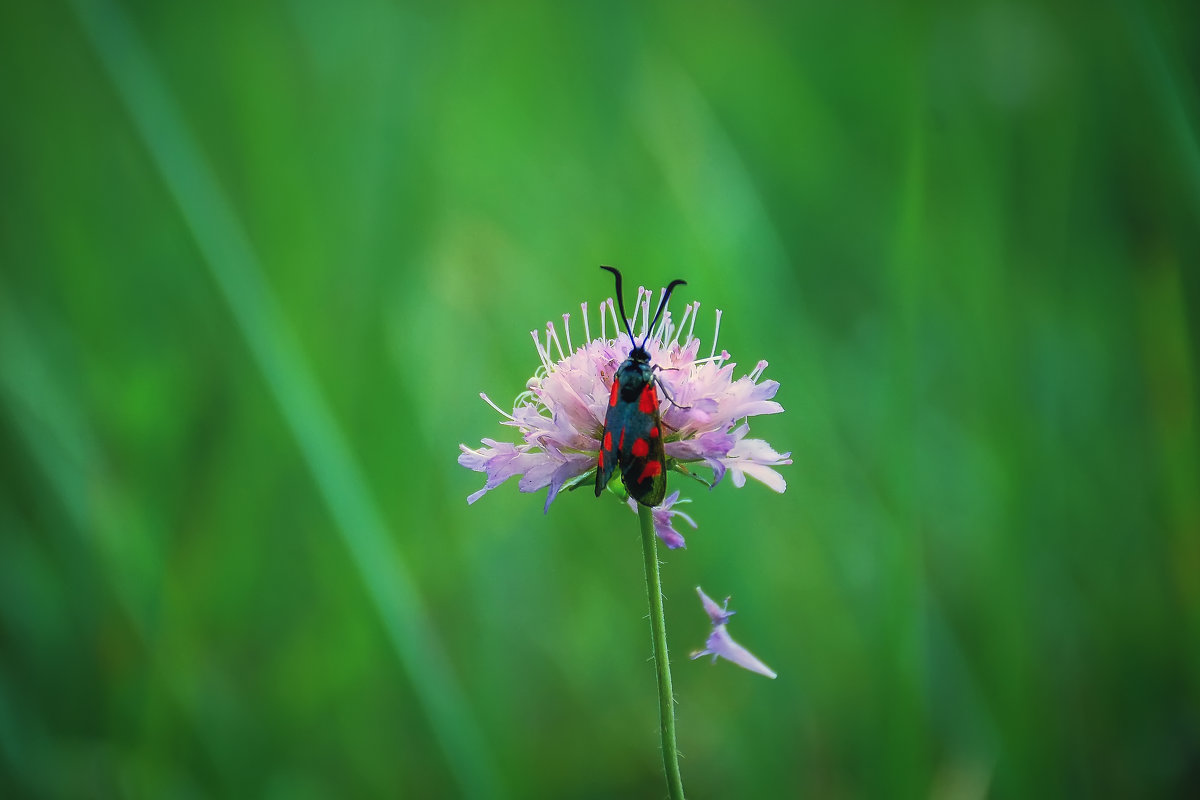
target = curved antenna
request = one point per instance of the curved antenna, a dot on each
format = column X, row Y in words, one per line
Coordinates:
column 621, row 303
column 661, row 305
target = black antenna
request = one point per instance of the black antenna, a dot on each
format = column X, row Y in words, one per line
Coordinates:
column 621, row 303
column 661, row 305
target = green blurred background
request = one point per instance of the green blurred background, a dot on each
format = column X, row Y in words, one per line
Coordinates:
column 259, row 259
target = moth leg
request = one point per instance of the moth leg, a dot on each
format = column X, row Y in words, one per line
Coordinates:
column 663, row 386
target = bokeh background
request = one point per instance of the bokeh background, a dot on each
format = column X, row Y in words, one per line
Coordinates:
column 259, row 259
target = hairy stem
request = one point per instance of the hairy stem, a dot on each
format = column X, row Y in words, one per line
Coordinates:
column 658, row 629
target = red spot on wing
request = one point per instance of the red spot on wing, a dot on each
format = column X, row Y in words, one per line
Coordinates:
column 621, row 441
column 654, row 432
column 600, row 464
column 640, row 448
column 608, row 440
column 648, row 402
column 651, row 469
column 612, row 401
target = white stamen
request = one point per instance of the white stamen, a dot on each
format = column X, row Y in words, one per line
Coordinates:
column 567, row 328
column 664, row 328
column 715, row 333
column 612, row 308
column 692, row 327
column 637, row 310
column 542, row 353
column 502, row 412
column 553, row 334
column 587, row 334
column 757, row 371
column 687, row 310
column 644, row 308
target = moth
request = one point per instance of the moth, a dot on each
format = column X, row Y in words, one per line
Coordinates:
column 632, row 429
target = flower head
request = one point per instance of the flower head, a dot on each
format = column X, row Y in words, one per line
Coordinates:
column 721, row 644
column 560, row 415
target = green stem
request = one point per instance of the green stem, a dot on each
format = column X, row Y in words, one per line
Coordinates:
column 658, row 628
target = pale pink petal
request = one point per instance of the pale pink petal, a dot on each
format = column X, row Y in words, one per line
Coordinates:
column 664, row 519
column 719, row 614
column 721, row 644
column 738, row 470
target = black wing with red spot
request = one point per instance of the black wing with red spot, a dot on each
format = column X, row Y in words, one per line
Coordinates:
column 633, row 435
column 608, row 446
column 643, row 462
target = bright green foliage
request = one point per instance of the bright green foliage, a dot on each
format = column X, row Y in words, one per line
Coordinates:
column 258, row 259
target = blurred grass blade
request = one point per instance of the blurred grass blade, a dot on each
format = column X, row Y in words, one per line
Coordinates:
column 1173, row 101
column 234, row 266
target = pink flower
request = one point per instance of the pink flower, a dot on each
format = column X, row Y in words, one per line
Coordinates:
column 720, row 643
column 560, row 415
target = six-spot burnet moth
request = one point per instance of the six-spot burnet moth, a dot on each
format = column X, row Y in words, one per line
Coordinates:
column 632, row 430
